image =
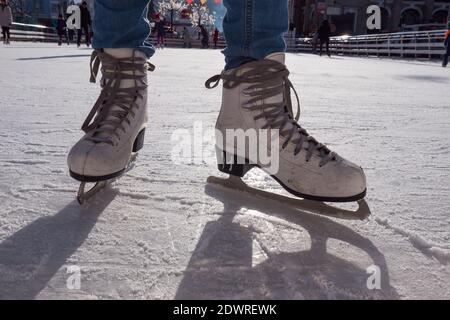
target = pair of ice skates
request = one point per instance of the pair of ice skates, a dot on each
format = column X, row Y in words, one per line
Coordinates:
column 256, row 96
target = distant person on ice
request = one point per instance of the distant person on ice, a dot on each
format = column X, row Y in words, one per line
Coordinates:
column 447, row 46
column 6, row 20
column 324, row 36
column 61, row 29
column 205, row 37
column 216, row 37
column 86, row 24
column 256, row 95
column 160, row 32
column 187, row 38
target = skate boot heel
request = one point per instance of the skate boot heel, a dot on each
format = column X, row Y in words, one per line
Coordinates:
column 139, row 142
column 237, row 167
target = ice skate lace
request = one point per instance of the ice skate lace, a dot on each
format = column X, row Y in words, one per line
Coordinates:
column 103, row 123
column 268, row 79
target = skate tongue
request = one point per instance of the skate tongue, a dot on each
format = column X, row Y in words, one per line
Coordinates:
column 126, row 53
column 104, row 131
column 281, row 58
column 120, row 53
column 278, row 57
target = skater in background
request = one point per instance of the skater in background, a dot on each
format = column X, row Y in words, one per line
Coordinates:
column 61, row 29
column 160, row 32
column 256, row 95
column 86, row 24
column 216, row 37
column 324, row 36
column 205, row 37
column 447, row 46
column 187, row 38
column 6, row 20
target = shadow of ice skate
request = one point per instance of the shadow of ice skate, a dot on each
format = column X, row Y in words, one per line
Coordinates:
column 222, row 265
column 32, row 256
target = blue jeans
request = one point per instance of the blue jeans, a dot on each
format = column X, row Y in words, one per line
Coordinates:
column 253, row 28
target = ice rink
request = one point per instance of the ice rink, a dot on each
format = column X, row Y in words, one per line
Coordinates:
column 162, row 232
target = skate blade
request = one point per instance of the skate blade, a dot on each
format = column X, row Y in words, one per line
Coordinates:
column 235, row 184
column 83, row 196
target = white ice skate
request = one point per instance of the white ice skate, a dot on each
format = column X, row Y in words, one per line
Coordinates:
column 257, row 96
column 115, row 127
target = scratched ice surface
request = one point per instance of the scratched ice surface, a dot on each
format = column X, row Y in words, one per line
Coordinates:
column 162, row 232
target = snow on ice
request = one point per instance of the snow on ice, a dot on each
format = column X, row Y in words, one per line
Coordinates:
column 162, row 232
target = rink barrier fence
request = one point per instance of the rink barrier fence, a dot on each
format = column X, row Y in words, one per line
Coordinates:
column 30, row 32
column 415, row 44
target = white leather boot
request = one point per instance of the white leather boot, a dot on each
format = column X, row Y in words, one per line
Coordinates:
column 115, row 127
column 257, row 96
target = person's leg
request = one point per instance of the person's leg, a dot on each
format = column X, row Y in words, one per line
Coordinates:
column 126, row 25
column 158, row 40
column 8, row 34
column 79, row 35
column 87, row 35
column 321, row 47
column 4, row 34
column 254, row 29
